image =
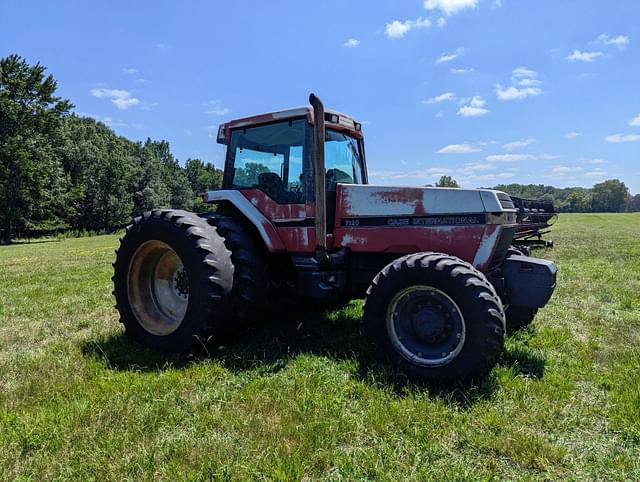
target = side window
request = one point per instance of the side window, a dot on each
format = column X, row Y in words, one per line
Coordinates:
column 251, row 164
column 270, row 158
column 342, row 159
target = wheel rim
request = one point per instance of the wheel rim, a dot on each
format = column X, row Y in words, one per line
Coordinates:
column 425, row 326
column 158, row 288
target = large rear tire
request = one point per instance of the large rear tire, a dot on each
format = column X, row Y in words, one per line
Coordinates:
column 250, row 279
column 172, row 277
column 435, row 317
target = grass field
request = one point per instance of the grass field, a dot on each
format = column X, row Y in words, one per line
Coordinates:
column 302, row 397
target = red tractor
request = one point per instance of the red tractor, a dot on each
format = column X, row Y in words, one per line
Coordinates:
column 297, row 217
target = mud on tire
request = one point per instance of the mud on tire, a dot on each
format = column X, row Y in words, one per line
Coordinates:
column 420, row 306
column 171, row 278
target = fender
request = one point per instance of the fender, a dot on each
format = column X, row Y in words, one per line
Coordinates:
column 267, row 231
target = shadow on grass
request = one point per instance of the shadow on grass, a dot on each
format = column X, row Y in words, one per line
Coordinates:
column 335, row 334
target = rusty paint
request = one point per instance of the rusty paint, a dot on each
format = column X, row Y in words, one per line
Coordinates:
column 272, row 210
column 461, row 241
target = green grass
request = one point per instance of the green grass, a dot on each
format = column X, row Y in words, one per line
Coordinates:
column 302, row 398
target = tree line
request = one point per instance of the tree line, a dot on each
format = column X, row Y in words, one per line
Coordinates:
column 608, row 196
column 60, row 171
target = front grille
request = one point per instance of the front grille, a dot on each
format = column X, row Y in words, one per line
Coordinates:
column 505, row 201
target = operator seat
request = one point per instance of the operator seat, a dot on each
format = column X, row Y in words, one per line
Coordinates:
column 271, row 184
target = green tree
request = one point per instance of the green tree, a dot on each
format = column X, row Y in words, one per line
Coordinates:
column 202, row 176
column 248, row 175
column 162, row 182
column 102, row 174
column 579, row 201
column 610, row 196
column 31, row 177
column 634, row 204
column 447, row 181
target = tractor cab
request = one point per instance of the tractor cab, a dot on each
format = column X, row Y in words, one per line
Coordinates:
column 276, row 153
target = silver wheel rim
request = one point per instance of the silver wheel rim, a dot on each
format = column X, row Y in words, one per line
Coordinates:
column 449, row 351
column 158, row 288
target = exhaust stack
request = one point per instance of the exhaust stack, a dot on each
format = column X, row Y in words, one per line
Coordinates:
column 320, row 193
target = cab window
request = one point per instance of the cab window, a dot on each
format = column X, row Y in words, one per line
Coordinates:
column 270, row 158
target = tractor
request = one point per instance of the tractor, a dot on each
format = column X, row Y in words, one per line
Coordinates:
column 296, row 219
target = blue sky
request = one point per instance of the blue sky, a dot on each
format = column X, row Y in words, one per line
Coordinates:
column 487, row 91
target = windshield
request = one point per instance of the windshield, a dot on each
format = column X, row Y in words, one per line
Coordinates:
column 270, row 158
column 342, row 159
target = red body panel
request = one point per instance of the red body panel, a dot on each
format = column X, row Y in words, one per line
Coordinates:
column 296, row 239
column 291, row 226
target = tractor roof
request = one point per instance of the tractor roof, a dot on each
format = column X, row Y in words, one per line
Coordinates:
column 334, row 119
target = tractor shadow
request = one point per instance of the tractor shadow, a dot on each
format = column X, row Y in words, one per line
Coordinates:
column 337, row 334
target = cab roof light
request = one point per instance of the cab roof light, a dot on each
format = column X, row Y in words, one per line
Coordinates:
column 333, row 118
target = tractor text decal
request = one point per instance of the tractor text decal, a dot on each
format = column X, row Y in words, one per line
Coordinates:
column 398, row 221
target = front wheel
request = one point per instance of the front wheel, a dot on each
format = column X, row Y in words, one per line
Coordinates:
column 435, row 317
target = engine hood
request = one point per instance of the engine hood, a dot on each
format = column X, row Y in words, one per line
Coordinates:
column 368, row 200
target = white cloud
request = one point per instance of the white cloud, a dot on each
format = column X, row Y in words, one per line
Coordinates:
column 440, row 98
column 143, row 81
column 513, row 93
column 509, row 146
column 130, row 71
column 620, row 41
column 122, row 99
column 441, row 22
column 109, row 121
column 528, row 82
column 469, row 111
column 421, row 175
column 525, row 86
column 351, row 43
column 215, row 107
column 519, row 157
column 398, row 29
column 564, row 169
column 461, row 71
column 458, row 149
column 616, row 138
column 511, row 157
column 472, row 167
column 578, row 55
column 635, row 122
column 593, row 161
column 599, row 173
column 523, row 72
column 450, row 7
column 572, row 135
column 475, row 108
column 163, row 46
column 448, row 57
column 153, row 105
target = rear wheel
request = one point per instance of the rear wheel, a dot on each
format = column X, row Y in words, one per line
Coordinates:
column 250, row 279
column 436, row 317
column 172, row 275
